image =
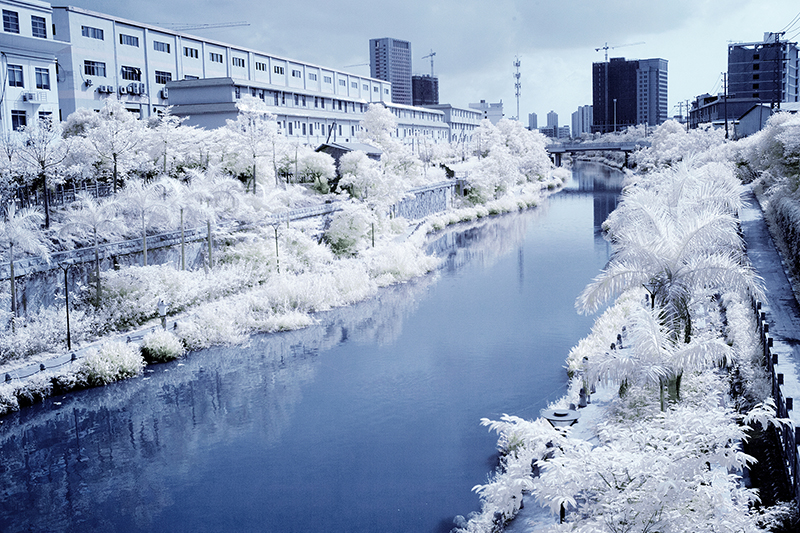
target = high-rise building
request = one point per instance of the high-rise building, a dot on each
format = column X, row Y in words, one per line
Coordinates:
column 582, row 121
column 494, row 112
column 765, row 71
column 425, row 90
column 552, row 120
column 533, row 121
column 627, row 93
column 390, row 60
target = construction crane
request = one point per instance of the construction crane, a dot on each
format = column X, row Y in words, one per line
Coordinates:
column 183, row 27
column 431, row 56
column 357, row 65
column 607, row 48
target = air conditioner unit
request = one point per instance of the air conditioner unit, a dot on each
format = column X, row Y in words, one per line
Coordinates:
column 133, row 88
column 164, row 93
column 123, row 90
column 142, row 88
column 42, row 96
column 29, row 97
column 110, row 89
column 101, row 88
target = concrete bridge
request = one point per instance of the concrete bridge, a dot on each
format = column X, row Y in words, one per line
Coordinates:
column 556, row 150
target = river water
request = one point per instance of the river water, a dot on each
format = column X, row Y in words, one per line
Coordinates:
column 368, row 421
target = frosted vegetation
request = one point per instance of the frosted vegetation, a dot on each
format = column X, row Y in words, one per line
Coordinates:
column 256, row 277
column 677, row 346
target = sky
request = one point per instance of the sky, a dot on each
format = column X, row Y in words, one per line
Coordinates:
column 476, row 41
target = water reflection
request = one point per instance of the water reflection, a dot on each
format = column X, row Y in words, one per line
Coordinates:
column 367, row 421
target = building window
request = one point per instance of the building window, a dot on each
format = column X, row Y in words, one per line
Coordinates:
column 163, row 77
column 39, row 27
column 327, row 79
column 15, row 76
column 46, row 117
column 10, row 21
column 237, row 92
column 42, row 78
column 18, row 120
column 386, row 91
column 131, row 74
column 297, row 100
column 365, row 87
column 261, row 66
column 297, row 74
column 129, row 40
column 756, row 66
column 191, row 52
column 188, row 77
column 238, row 62
column 374, row 89
column 94, row 68
column 354, row 84
column 92, row 33
column 215, row 57
column 312, row 76
column 343, row 83
column 158, row 46
column 278, row 70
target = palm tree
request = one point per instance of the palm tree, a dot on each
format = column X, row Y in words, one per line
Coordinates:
column 22, row 230
column 97, row 217
column 146, row 203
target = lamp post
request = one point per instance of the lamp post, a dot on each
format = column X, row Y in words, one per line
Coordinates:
column 615, row 115
column 162, row 312
column 66, row 299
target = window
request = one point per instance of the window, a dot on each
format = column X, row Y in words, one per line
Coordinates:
column 237, row 92
column 94, row 68
column 278, row 70
column 354, row 84
column 297, row 74
column 327, row 79
column 756, row 66
column 42, row 78
column 756, row 76
column 15, row 76
column 312, row 76
column 261, row 66
column 163, row 77
column 238, row 62
column 365, row 87
column 18, row 120
column 191, row 52
column 215, row 57
column 386, row 91
column 92, row 33
column 343, row 83
column 297, row 99
column 131, row 74
column 188, row 77
column 129, row 40
column 158, row 46
column 374, row 89
column 38, row 27
column 10, row 21
column 46, row 117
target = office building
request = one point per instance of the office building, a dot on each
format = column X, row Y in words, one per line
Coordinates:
column 533, row 121
column 765, row 71
column 628, row 93
column 582, row 121
column 492, row 112
column 462, row 121
column 425, row 90
column 29, row 53
column 552, row 120
column 563, row 132
column 390, row 60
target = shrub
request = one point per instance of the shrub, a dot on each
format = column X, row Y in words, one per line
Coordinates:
column 113, row 361
column 161, row 346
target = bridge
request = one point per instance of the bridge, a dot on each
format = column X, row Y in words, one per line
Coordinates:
column 556, row 150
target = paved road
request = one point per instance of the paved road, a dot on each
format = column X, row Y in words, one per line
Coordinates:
column 782, row 309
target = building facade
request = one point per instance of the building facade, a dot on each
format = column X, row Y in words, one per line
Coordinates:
column 628, row 92
column 766, row 71
column 552, row 120
column 492, row 112
column 462, row 122
column 390, row 60
column 425, row 90
column 582, row 121
column 28, row 53
column 533, row 121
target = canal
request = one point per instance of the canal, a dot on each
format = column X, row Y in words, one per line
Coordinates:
column 367, row 421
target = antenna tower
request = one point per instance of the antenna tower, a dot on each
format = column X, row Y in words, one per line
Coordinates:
column 517, row 83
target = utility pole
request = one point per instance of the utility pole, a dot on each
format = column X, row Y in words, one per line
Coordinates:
column 517, row 83
column 725, row 105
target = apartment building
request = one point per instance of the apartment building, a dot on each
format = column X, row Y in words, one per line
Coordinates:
column 28, row 54
column 462, row 121
column 390, row 60
column 493, row 112
column 765, row 71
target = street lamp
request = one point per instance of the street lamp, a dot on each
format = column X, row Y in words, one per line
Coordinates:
column 615, row 115
column 162, row 312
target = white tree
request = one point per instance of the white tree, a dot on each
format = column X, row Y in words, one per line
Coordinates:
column 255, row 133
column 99, row 219
column 147, row 205
column 42, row 151
column 21, row 231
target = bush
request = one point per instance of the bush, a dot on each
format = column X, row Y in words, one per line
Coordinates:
column 113, row 361
column 161, row 346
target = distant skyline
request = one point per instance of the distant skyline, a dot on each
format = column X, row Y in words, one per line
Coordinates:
column 476, row 41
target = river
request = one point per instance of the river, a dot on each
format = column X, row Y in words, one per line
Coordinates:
column 368, row 421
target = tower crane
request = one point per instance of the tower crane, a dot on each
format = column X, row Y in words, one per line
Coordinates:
column 607, row 48
column 431, row 56
column 183, row 27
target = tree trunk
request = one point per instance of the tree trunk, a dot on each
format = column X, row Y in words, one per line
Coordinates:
column 46, row 200
column 144, row 240
column 183, row 245
column 13, row 286
column 210, row 244
column 114, row 156
column 96, row 268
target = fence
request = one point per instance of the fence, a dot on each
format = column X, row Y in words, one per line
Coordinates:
column 789, row 434
column 27, row 196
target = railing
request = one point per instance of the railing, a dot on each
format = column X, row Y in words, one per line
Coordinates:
column 560, row 148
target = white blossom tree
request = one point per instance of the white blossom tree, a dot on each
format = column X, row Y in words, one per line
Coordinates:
column 20, row 231
column 42, row 151
column 146, row 203
column 255, row 133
